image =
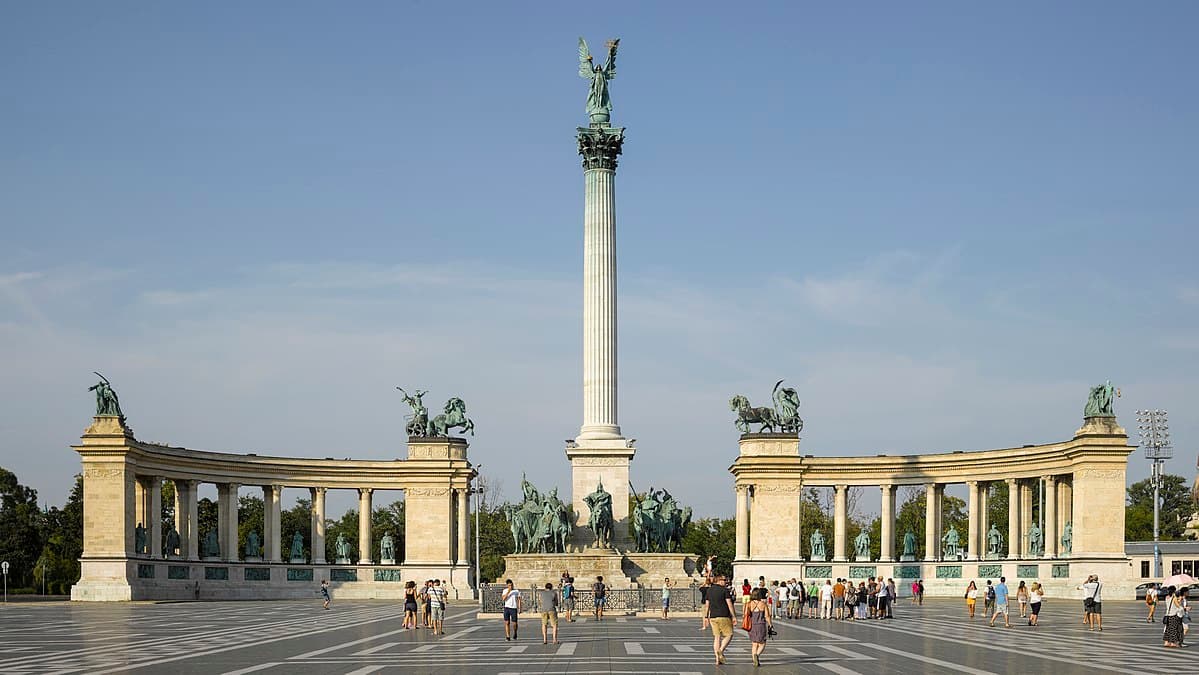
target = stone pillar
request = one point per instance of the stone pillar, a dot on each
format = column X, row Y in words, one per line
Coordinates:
column 181, row 521
column 463, row 527
column 1025, row 516
column 840, row 521
column 109, row 509
column 272, row 520
column 428, row 516
column 599, row 145
column 984, row 516
column 1013, row 518
column 972, row 547
column 364, row 526
column 227, row 531
column 141, row 506
column 318, row 525
column 154, row 527
column 193, row 519
column 1051, row 531
column 742, row 523
column 932, row 547
column 1065, row 505
column 887, row 524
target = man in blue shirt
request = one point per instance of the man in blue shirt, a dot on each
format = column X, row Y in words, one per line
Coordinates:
column 1001, row 603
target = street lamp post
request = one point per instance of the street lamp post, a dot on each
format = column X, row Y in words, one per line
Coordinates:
column 1155, row 438
column 475, row 493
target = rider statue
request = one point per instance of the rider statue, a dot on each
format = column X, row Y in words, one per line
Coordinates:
column 600, row 521
column 419, row 420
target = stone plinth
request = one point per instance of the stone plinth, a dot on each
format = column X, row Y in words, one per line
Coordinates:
column 619, row 570
column 593, row 462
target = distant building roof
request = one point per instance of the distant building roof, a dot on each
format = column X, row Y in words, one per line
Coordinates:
column 1167, row 547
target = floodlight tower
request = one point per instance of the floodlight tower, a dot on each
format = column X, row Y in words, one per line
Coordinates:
column 1155, row 438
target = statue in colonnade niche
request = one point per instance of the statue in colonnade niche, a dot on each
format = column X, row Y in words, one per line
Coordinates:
column 994, row 541
column 1100, row 401
column 107, row 402
column 1036, row 541
column 139, row 539
column 212, row 548
column 861, row 545
column 909, row 544
column 952, row 541
column 172, row 547
column 253, row 545
column 1068, row 537
column 387, row 547
column 816, row 544
column 342, row 547
column 297, row 546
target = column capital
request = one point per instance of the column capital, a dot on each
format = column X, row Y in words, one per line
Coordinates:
column 841, row 487
column 600, row 145
column 972, row 483
column 742, row 488
column 1050, row 480
column 1011, row 482
column 887, row 487
column 319, row 490
column 365, row 491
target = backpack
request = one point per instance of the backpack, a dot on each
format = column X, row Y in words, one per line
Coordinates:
column 567, row 590
column 599, row 589
column 990, row 592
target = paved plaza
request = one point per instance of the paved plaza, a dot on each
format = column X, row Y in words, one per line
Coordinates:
column 365, row 637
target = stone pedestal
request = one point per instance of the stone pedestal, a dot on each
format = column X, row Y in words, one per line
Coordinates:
column 298, row 561
column 907, row 558
column 253, row 559
column 618, row 570
column 387, row 561
column 342, row 561
column 593, row 462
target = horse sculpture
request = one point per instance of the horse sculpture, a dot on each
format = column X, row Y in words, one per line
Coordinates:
column 454, row 417
column 747, row 415
column 523, row 528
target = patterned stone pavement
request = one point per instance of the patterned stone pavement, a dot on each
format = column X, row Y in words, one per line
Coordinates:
column 359, row 637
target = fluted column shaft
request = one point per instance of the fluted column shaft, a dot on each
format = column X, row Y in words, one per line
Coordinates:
column 154, row 527
column 931, row 545
column 887, row 528
column 364, row 525
column 227, row 535
column 463, row 527
column 1051, row 532
column 1025, row 516
column 972, row 547
column 1013, row 518
column 840, row 521
column 742, row 523
column 191, row 520
column 318, row 525
column 599, row 306
column 272, row 522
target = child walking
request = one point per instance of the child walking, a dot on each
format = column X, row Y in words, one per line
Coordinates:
column 325, row 592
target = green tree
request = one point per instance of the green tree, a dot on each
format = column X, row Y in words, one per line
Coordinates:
column 297, row 519
column 713, row 536
column 251, row 511
column 346, row 526
column 1174, row 509
column 207, row 514
column 385, row 519
column 22, row 535
column 495, row 542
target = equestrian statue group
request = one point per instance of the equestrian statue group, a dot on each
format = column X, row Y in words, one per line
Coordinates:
column 658, row 523
column 540, row 523
column 784, row 414
column 419, row 424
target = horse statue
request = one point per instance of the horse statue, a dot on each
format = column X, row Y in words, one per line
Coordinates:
column 554, row 527
column 523, row 529
column 680, row 520
column 747, row 414
column 643, row 526
column 454, row 417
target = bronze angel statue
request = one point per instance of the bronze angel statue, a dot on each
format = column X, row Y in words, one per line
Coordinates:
column 599, row 105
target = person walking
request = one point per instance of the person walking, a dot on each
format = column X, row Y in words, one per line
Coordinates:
column 757, row 613
column 1022, row 598
column 1092, row 603
column 794, row 597
column 703, row 594
column 1001, row 603
column 410, row 605
column 437, row 600
column 667, row 584
column 920, row 587
column 783, row 595
column 718, row 609
column 892, row 598
column 600, row 591
column 988, row 599
column 1151, row 602
column 745, row 589
column 568, row 598
column 512, row 606
column 547, row 606
column 1172, row 636
column 324, row 591
column 971, row 597
column 427, row 614
column 915, row 592
column 1035, row 596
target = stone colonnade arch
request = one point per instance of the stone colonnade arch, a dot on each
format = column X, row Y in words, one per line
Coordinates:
column 1083, row 482
column 122, row 481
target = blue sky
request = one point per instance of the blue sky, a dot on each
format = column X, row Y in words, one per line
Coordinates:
column 940, row 222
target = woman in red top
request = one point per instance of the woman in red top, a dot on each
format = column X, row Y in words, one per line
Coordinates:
column 745, row 590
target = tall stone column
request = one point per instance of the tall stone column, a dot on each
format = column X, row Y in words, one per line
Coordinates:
column 1051, row 532
column 273, row 522
column 931, row 517
column 972, row 546
column 1013, row 518
column 193, row 519
column 141, row 505
column 887, row 524
column 154, row 527
column 364, row 526
column 1025, row 516
column 840, row 521
column 318, row 525
column 742, row 523
column 181, row 520
column 463, row 527
column 600, row 454
column 227, row 533
column 984, row 516
column 1065, row 507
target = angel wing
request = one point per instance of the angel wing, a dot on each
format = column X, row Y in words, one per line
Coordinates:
column 586, row 71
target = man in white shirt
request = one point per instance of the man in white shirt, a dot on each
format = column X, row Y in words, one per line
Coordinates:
column 1092, row 603
column 512, row 607
column 826, row 599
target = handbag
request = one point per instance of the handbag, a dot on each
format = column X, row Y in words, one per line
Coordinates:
column 745, row 623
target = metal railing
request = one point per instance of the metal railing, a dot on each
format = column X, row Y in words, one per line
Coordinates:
column 618, row 601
